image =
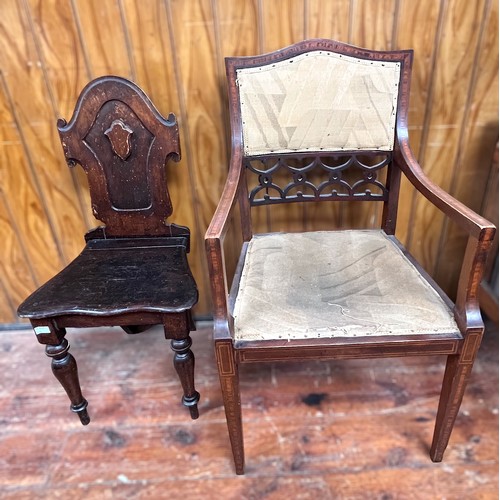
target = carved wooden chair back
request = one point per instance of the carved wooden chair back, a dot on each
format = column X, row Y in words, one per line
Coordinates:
column 133, row 271
column 319, row 121
column 122, row 142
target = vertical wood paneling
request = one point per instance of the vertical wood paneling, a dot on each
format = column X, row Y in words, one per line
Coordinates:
column 422, row 38
column 17, row 278
column 103, row 37
column 23, row 148
column 15, row 272
column 328, row 19
column 7, row 307
column 283, row 23
column 192, row 28
column 61, row 49
column 476, row 150
column 196, row 60
column 237, row 28
column 174, row 50
column 373, row 23
column 455, row 60
column 58, row 39
column 27, row 87
column 240, row 29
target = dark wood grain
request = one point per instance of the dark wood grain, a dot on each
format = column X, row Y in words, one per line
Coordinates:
column 133, row 271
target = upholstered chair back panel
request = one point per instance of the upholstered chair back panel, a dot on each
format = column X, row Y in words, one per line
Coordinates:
column 318, row 101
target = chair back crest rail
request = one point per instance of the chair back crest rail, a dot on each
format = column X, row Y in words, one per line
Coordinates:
column 122, row 142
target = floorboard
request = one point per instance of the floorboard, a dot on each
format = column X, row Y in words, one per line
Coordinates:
column 344, row 429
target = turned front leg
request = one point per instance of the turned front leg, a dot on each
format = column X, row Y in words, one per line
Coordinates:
column 66, row 371
column 184, row 365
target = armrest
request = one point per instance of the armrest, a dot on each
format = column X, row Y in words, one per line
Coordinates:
column 466, row 218
column 215, row 252
column 218, row 224
column 479, row 229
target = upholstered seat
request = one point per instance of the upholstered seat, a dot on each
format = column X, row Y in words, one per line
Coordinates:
column 329, row 284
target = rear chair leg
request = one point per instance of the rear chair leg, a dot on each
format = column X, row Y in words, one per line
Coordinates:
column 230, row 386
column 456, row 375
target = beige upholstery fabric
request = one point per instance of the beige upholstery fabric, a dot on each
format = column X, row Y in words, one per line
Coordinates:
column 318, row 100
column 333, row 284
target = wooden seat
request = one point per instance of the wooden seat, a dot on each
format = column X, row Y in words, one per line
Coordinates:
column 119, row 276
column 325, row 122
column 133, row 272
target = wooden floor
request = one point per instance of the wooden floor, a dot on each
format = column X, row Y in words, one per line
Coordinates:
column 345, row 429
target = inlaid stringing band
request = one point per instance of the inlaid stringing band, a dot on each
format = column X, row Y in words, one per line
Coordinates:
column 319, row 101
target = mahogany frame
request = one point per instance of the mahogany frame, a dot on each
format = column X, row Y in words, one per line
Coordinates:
column 460, row 350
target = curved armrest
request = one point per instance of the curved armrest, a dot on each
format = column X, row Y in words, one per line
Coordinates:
column 218, row 225
column 480, row 230
column 466, row 218
column 215, row 252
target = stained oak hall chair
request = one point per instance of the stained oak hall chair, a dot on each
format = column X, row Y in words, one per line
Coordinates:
column 333, row 117
column 133, row 271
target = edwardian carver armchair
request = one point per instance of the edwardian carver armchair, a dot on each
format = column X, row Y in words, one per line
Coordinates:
column 323, row 112
column 133, row 272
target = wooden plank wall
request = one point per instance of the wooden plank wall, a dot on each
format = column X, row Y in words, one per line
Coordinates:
column 174, row 49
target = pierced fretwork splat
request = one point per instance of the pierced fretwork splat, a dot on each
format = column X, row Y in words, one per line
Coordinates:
column 336, row 176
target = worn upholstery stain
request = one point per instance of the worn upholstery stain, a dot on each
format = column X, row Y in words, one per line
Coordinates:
column 314, row 398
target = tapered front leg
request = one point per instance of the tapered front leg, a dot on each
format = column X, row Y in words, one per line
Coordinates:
column 458, row 369
column 230, row 386
column 66, row 371
column 184, row 365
